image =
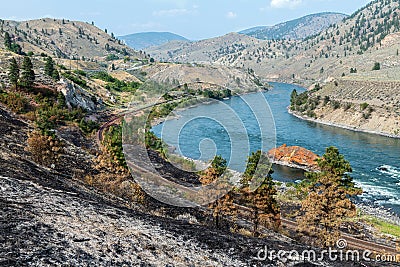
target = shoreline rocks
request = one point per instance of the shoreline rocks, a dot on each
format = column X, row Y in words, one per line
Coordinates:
column 295, row 157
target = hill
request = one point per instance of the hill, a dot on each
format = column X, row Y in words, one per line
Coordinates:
column 64, row 39
column 204, row 51
column 356, row 62
column 369, row 35
column 140, row 41
column 296, row 29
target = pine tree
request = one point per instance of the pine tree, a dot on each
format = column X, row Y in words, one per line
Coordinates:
column 49, row 67
column 56, row 75
column 328, row 201
column 7, row 41
column 27, row 73
column 264, row 207
column 13, row 73
column 377, row 66
column 223, row 206
column 50, row 70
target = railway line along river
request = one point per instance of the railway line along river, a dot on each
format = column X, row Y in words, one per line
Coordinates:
column 375, row 159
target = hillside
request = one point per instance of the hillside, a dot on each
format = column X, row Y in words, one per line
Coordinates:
column 369, row 35
column 296, row 29
column 209, row 50
column 178, row 74
column 140, row 41
column 64, row 39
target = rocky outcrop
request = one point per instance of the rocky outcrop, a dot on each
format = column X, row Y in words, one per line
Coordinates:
column 76, row 96
column 294, row 156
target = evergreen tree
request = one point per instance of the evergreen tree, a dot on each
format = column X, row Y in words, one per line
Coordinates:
column 7, row 41
column 56, row 75
column 27, row 73
column 377, row 66
column 12, row 46
column 328, row 201
column 224, row 205
column 49, row 67
column 13, row 72
column 50, row 70
column 264, row 207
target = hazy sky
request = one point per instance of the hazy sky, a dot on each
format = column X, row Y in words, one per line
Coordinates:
column 194, row 19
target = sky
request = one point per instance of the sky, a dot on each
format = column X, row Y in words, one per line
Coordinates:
column 193, row 19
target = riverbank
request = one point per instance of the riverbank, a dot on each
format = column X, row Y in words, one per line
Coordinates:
column 347, row 127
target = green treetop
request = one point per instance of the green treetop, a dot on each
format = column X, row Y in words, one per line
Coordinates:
column 27, row 73
column 13, row 72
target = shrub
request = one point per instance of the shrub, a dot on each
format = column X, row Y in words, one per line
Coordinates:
column 88, row 126
column 112, row 57
column 377, row 66
column 48, row 117
column 311, row 114
column 326, row 100
column 111, row 177
column 363, row 106
column 115, row 84
column 45, row 150
column 75, row 79
column 113, row 143
column 104, row 76
column 335, row 104
column 80, row 72
column 15, row 102
column 347, row 106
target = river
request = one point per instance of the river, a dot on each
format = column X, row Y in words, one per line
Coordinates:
column 375, row 159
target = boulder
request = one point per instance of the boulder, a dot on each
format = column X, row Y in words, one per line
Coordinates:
column 75, row 96
column 294, row 156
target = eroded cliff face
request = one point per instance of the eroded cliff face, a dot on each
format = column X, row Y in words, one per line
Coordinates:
column 76, row 96
column 294, row 156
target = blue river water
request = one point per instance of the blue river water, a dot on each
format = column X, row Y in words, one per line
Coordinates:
column 375, row 159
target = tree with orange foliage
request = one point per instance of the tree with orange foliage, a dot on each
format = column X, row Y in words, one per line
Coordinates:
column 224, row 205
column 328, row 201
column 261, row 201
column 45, row 150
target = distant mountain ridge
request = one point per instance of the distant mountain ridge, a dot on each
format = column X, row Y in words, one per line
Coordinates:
column 296, row 29
column 140, row 41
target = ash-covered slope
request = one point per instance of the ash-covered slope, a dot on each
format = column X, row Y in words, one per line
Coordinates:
column 50, row 219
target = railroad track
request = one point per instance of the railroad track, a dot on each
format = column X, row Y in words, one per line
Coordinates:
column 352, row 241
column 118, row 117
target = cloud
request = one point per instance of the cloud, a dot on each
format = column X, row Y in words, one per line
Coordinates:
column 171, row 12
column 231, row 15
column 285, row 3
